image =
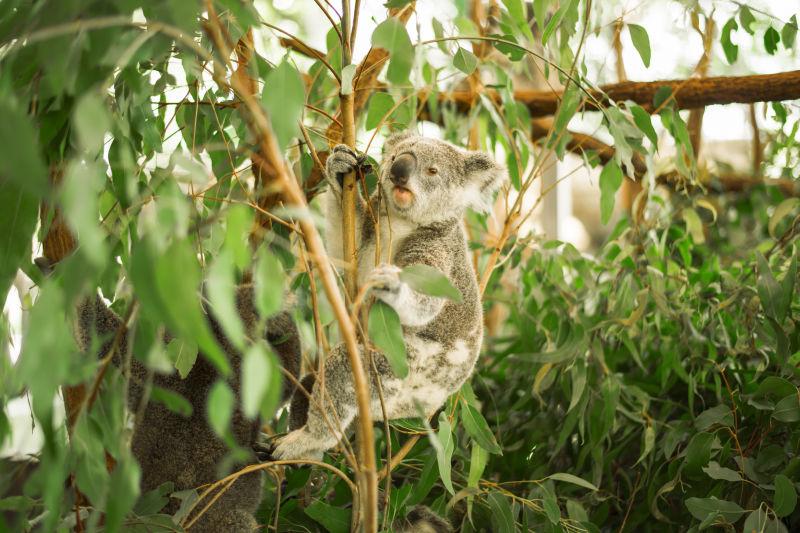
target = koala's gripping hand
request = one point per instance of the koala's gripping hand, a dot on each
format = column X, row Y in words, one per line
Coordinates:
column 385, row 283
column 342, row 160
column 413, row 308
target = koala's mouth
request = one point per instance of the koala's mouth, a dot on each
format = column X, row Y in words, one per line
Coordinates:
column 402, row 197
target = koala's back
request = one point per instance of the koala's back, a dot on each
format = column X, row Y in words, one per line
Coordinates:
column 184, row 450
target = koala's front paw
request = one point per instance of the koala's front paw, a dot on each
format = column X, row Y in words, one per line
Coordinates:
column 385, row 282
column 342, row 160
column 297, row 445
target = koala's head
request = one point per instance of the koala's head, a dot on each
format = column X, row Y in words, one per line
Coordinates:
column 427, row 180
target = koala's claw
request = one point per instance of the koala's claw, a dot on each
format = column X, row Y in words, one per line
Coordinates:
column 264, row 451
column 385, row 278
column 343, row 160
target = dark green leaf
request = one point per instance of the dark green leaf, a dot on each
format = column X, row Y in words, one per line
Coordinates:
column 334, row 519
column 731, row 50
column 703, row 508
column 788, row 409
column 720, row 414
column 502, row 515
column 785, row 496
column 771, row 40
column 478, row 429
column 386, row 333
column 643, row 121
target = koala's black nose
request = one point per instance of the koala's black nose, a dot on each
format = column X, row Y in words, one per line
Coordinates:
column 402, row 169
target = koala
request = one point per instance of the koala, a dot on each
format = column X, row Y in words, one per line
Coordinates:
column 425, row 186
column 186, row 451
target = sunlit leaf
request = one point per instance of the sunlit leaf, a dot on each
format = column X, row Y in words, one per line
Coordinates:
column 283, row 98
column 641, row 41
column 610, row 182
column 431, row 281
column 392, row 36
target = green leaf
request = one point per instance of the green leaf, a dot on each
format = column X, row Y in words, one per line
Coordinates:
column 644, row 122
column 787, row 409
column 550, row 504
column 731, row 50
column 238, row 223
column 91, row 121
column 698, row 452
column 783, row 210
column 785, row 496
column 719, row 414
column 220, row 407
column 268, row 283
column 649, row 443
column 444, row 445
column 610, row 182
column 570, row 478
column 502, row 515
column 769, row 291
column 477, row 464
column 124, row 486
column 641, row 41
column 555, row 20
column 789, row 32
column 431, row 281
column 283, row 97
column 703, row 508
column 18, row 215
column 183, row 354
column 715, row 471
column 747, row 19
column 386, row 333
column 771, row 40
column 478, row 429
column 172, row 400
column 334, row 519
column 391, row 35
column 257, row 367
column 465, row 61
column 221, row 288
column 694, row 226
column 380, row 104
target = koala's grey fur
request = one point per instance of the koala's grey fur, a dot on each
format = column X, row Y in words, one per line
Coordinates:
column 442, row 337
column 186, row 451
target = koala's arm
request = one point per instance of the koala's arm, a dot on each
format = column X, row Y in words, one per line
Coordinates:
column 98, row 327
column 414, row 308
column 341, row 161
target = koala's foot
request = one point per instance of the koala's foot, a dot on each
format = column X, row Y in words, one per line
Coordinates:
column 299, row 444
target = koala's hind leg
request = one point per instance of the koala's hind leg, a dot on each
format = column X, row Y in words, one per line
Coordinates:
column 330, row 411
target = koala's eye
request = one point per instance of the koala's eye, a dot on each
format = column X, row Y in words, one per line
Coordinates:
column 433, row 171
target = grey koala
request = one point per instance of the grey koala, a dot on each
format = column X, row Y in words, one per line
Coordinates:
column 425, row 186
column 186, row 451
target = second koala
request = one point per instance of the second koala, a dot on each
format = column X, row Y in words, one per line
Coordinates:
column 425, row 186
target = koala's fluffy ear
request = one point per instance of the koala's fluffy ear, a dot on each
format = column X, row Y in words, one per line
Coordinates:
column 486, row 176
column 395, row 139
